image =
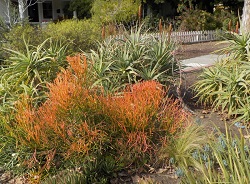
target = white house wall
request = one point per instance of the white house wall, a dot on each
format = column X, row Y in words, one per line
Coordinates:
column 3, row 9
column 57, row 5
column 40, row 12
column 57, row 10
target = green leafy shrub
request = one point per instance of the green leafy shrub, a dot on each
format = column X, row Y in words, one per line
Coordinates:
column 106, row 12
column 3, row 30
column 82, row 34
column 133, row 58
column 100, row 133
column 225, row 86
column 14, row 38
column 226, row 18
column 197, row 20
column 78, row 34
column 238, row 46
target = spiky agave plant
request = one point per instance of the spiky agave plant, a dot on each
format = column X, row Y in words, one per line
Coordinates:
column 137, row 56
column 238, row 44
column 28, row 72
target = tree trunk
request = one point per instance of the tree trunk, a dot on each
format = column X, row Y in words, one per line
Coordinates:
column 245, row 24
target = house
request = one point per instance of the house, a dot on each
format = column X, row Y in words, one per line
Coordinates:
column 39, row 11
column 2, row 10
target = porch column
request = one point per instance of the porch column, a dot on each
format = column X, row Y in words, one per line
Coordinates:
column 21, row 9
column 74, row 14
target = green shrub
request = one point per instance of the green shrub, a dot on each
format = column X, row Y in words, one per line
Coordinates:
column 78, row 34
column 225, row 17
column 14, row 38
column 179, row 151
column 197, row 20
column 225, row 86
column 82, row 34
column 114, row 11
column 239, row 46
column 3, row 31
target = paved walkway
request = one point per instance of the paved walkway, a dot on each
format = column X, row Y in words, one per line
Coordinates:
column 200, row 62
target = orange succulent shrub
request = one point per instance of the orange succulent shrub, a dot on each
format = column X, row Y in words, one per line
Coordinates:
column 27, row 132
column 135, row 107
column 62, row 122
column 172, row 116
column 143, row 117
column 79, row 120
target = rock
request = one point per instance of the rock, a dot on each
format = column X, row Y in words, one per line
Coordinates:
column 205, row 112
column 136, row 179
column 202, row 117
column 161, row 171
column 5, row 177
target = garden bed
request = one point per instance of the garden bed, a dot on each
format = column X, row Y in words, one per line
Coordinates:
column 200, row 114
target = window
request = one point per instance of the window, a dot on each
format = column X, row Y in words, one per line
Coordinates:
column 47, row 9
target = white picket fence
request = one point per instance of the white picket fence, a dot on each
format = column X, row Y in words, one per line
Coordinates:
column 185, row 37
column 193, row 36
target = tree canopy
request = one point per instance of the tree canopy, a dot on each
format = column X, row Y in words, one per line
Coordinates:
column 115, row 10
column 82, row 7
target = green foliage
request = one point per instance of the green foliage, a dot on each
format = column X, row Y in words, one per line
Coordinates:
column 197, row 20
column 14, row 38
column 239, row 46
column 78, row 34
column 3, row 30
column 225, row 17
column 189, row 140
column 66, row 177
column 82, row 34
column 82, row 7
column 226, row 85
column 115, row 11
column 133, row 58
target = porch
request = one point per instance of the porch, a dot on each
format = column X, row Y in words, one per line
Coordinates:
column 47, row 11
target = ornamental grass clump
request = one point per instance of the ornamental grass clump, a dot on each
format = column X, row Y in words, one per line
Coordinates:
column 211, row 158
column 99, row 132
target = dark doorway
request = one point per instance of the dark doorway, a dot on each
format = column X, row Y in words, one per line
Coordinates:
column 33, row 13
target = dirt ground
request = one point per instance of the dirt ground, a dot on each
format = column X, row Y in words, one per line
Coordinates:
column 187, row 51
